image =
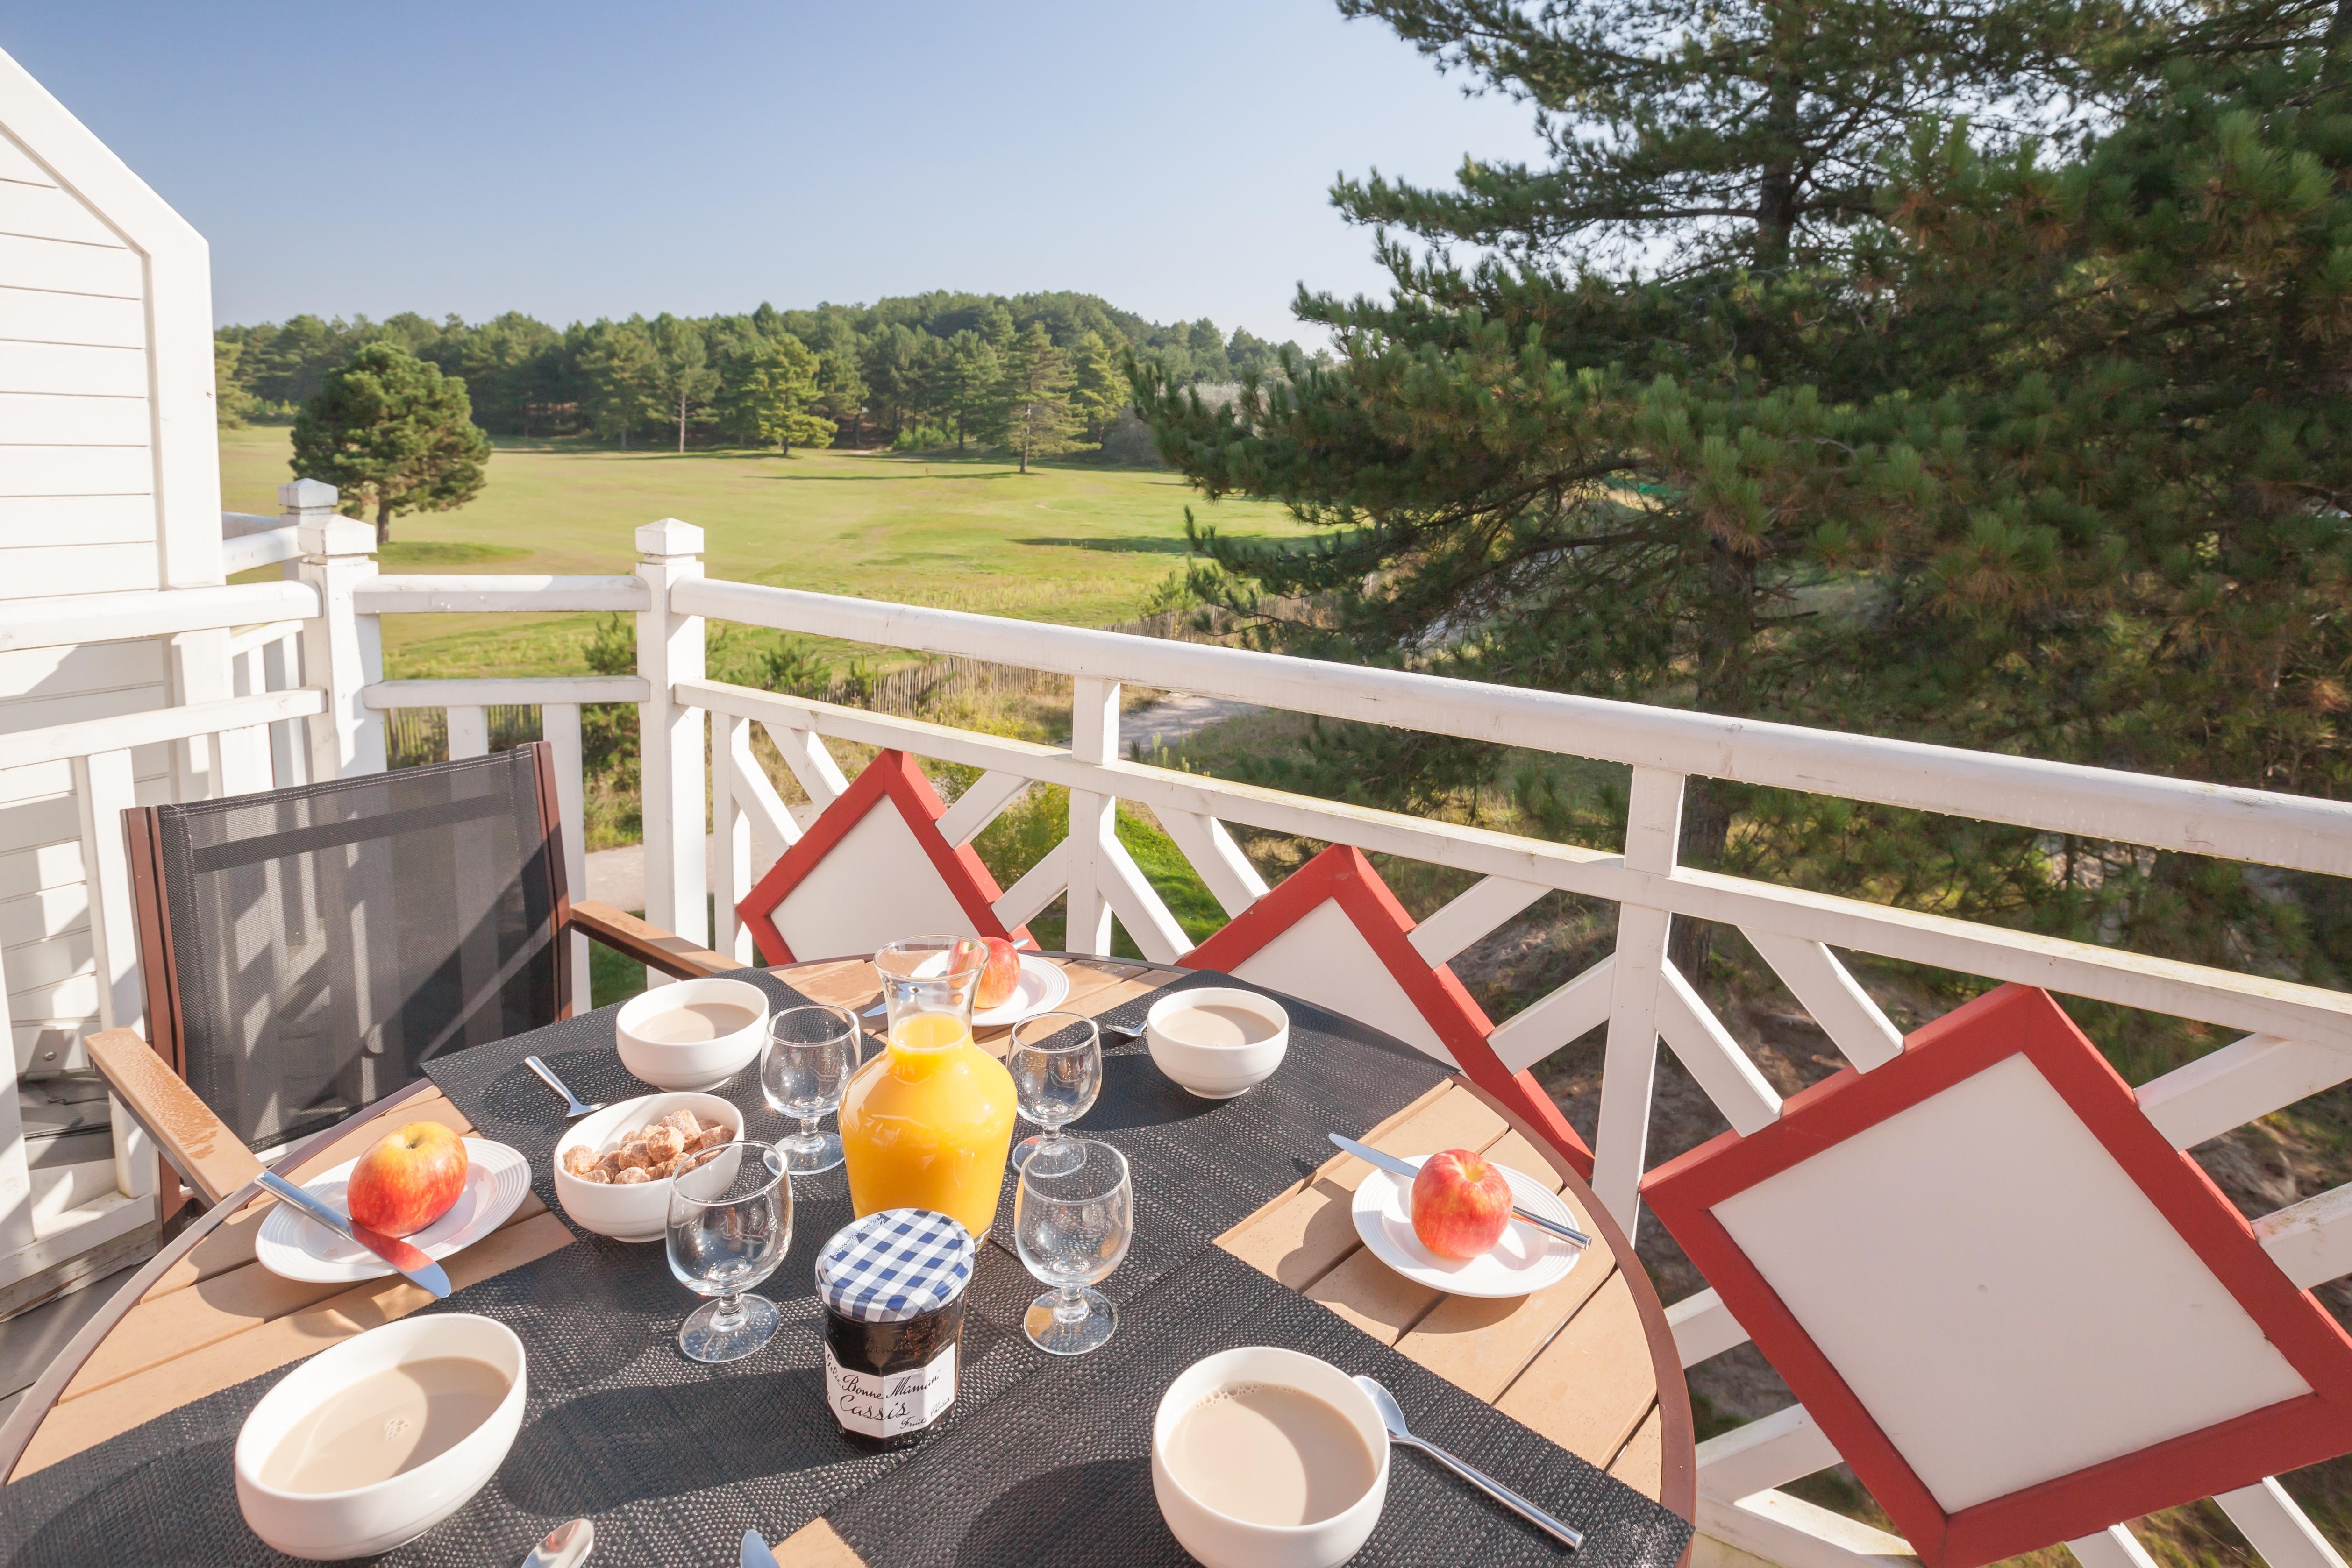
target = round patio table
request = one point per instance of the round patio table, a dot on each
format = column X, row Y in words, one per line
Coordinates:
column 1587, row 1362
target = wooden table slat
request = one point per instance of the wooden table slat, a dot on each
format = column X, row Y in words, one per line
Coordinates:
column 1591, row 1385
column 119, row 1406
column 1641, row 1463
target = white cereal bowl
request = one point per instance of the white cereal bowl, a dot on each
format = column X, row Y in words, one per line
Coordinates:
column 696, row 1064
column 639, row 1211
column 1221, row 1540
column 328, row 1527
column 1217, row 1072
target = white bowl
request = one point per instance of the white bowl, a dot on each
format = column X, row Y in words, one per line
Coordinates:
column 1217, row 1072
column 1221, row 1540
column 639, row 1211
column 327, row 1527
column 696, row 1064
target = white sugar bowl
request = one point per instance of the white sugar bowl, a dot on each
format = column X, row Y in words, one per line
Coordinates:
column 693, row 1035
column 1217, row 1042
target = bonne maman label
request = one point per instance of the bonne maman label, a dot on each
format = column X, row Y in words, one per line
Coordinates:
column 886, row 1404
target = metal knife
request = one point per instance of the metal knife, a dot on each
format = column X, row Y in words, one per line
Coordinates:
column 1397, row 1167
column 755, row 1551
column 404, row 1256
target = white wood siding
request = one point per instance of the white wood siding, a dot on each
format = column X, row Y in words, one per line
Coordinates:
column 78, row 514
column 45, row 942
column 109, row 484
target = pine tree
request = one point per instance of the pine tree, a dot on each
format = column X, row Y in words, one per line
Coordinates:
column 1100, row 388
column 394, row 435
column 767, row 393
column 621, row 372
column 1034, row 414
column 688, row 380
column 841, row 390
column 1618, row 455
column 964, row 382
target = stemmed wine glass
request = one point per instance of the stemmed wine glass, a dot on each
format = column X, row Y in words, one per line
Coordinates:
column 1057, row 1063
column 730, row 1223
column 810, row 1055
column 1073, row 1218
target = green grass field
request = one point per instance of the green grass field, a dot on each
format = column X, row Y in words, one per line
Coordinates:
column 1076, row 543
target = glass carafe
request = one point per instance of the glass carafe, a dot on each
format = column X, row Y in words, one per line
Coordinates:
column 928, row 1122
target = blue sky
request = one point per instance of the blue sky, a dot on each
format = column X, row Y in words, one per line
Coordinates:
column 596, row 159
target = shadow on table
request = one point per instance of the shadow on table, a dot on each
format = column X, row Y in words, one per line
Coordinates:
column 1135, row 1093
column 1058, row 1517
column 130, row 1519
column 608, row 1449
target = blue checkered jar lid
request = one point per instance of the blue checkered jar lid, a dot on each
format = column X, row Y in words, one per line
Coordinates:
column 895, row 1264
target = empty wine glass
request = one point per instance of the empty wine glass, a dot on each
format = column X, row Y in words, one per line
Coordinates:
column 810, row 1055
column 730, row 1223
column 1072, row 1223
column 1056, row 1059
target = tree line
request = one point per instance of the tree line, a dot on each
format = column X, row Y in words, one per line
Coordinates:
column 1031, row 374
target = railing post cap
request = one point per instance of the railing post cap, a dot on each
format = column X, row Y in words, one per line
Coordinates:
column 660, row 541
column 307, row 496
column 332, row 536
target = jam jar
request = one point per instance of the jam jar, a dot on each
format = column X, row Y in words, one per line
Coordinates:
column 892, row 1283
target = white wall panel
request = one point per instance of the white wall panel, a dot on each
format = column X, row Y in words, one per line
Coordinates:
column 16, row 164
column 77, row 471
column 39, row 711
column 59, row 420
column 37, row 916
column 44, row 315
column 70, row 267
column 40, row 573
column 76, row 368
column 44, row 212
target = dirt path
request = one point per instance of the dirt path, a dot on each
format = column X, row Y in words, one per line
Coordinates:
column 1178, row 717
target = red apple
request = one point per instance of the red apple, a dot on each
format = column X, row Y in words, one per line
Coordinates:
column 409, row 1180
column 1002, row 976
column 1460, row 1204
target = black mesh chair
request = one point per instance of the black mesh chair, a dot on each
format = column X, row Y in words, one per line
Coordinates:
column 306, row 951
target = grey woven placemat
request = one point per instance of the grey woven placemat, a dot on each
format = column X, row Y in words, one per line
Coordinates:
column 1061, row 1473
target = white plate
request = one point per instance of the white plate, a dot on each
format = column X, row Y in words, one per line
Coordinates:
column 1524, row 1261
column 299, row 1248
column 1044, row 986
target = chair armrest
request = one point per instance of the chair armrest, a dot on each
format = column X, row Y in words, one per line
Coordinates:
column 648, row 944
column 198, row 1144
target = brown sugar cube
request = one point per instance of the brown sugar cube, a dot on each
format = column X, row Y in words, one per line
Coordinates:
column 710, row 1138
column 663, row 1143
column 609, row 1162
column 578, row 1160
column 683, row 1119
column 633, row 1156
column 595, row 1174
column 631, row 1176
column 663, row 1171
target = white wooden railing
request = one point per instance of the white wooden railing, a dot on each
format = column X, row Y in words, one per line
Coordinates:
column 2297, row 1039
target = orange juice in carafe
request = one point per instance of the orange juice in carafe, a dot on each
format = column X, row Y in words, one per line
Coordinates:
column 928, row 1123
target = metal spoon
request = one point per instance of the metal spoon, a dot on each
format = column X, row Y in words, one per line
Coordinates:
column 572, row 1106
column 566, row 1546
column 1392, row 1417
